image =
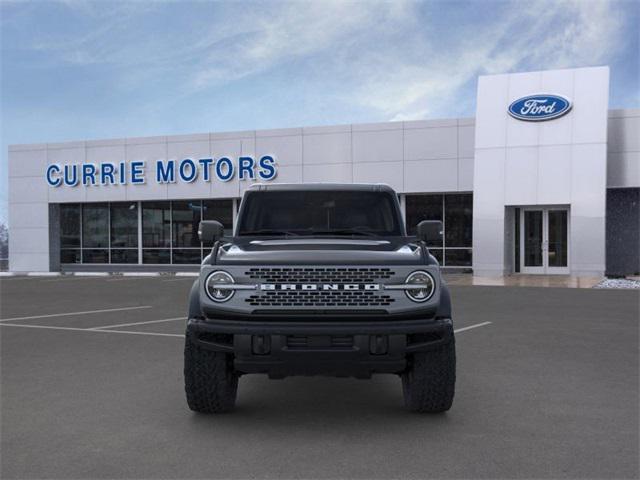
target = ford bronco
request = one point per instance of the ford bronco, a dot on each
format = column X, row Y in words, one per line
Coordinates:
column 319, row 279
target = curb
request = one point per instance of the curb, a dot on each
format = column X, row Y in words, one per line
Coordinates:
column 99, row 274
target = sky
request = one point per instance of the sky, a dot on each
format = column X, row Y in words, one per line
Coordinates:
column 76, row 70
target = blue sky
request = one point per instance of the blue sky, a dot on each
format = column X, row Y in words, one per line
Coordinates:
column 74, row 70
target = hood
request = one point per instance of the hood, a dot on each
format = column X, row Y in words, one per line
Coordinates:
column 320, row 251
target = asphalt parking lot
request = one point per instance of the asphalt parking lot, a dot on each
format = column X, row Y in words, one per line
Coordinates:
column 92, row 388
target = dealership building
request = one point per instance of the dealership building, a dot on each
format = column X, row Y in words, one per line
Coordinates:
column 544, row 179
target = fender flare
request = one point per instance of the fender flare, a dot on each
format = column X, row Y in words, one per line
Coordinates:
column 194, row 301
column 444, row 307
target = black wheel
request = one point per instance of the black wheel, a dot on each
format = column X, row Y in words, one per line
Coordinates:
column 429, row 382
column 210, row 382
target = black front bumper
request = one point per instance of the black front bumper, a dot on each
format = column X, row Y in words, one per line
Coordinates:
column 348, row 348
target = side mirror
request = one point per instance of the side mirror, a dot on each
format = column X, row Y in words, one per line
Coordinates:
column 210, row 231
column 430, row 231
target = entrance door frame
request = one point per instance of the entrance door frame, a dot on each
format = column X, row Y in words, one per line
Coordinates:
column 545, row 269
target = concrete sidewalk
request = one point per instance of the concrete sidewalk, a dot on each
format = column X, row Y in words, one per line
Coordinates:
column 521, row 280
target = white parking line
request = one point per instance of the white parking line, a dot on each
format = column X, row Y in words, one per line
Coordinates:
column 125, row 279
column 472, row 326
column 47, row 327
column 74, row 313
column 155, row 334
column 71, row 278
column 138, row 323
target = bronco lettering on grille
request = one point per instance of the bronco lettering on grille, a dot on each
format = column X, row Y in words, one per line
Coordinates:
column 321, row 286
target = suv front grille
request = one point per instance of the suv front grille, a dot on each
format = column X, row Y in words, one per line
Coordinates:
column 319, row 298
column 336, row 298
column 319, row 274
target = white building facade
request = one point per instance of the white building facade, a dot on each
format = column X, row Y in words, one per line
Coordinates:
column 545, row 179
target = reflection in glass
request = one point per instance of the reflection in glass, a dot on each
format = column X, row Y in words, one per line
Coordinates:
column 127, row 255
column 457, row 257
column 124, row 225
column 533, row 238
column 95, row 256
column 436, row 252
column 157, row 255
column 220, row 210
column 186, row 218
column 558, row 238
column 108, row 232
column 458, row 212
column 423, row 207
column 95, row 225
column 185, row 255
column 156, row 224
column 69, row 225
column 70, row 255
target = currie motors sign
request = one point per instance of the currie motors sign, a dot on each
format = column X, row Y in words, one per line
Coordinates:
column 162, row 171
column 540, row 107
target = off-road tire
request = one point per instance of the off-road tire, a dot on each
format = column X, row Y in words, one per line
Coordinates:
column 209, row 379
column 428, row 384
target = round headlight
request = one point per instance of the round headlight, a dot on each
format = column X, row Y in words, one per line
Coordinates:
column 214, row 280
column 425, row 286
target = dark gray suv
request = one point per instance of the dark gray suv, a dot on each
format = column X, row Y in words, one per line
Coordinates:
column 319, row 279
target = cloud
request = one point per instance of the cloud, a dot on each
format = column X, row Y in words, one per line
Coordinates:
column 398, row 59
column 294, row 31
column 525, row 36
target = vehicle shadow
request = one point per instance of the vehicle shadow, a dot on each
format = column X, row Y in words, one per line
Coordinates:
column 319, row 402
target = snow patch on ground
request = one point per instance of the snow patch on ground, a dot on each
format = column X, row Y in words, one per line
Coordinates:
column 618, row 283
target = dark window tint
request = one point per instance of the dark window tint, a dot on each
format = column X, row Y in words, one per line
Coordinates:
column 95, row 256
column 69, row 226
column 156, row 256
column 458, row 212
column 186, row 217
column 95, row 226
column 319, row 213
column 458, row 257
column 220, row 210
column 128, row 255
column 156, row 224
column 423, row 207
column 70, row 256
column 124, row 225
column 436, row 252
column 186, row 255
column 558, row 245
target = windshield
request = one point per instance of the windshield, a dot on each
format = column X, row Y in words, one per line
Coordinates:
column 356, row 213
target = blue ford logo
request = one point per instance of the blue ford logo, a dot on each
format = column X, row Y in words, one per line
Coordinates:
column 536, row 108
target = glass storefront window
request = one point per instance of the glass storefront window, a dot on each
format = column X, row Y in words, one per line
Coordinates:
column 90, row 255
column 457, row 257
column 156, row 224
column 127, row 255
column 186, row 218
column 69, row 226
column 458, row 214
column 186, row 255
column 220, row 210
column 124, row 225
column 70, row 255
column 436, row 252
column 95, row 225
column 455, row 211
column 108, row 232
column 423, row 207
column 156, row 255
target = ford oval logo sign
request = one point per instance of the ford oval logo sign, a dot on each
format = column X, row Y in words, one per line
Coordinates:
column 536, row 108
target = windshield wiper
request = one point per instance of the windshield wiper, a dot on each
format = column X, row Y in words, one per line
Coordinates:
column 266, row 231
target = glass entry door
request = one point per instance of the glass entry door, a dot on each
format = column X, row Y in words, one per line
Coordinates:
column 544, row 244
